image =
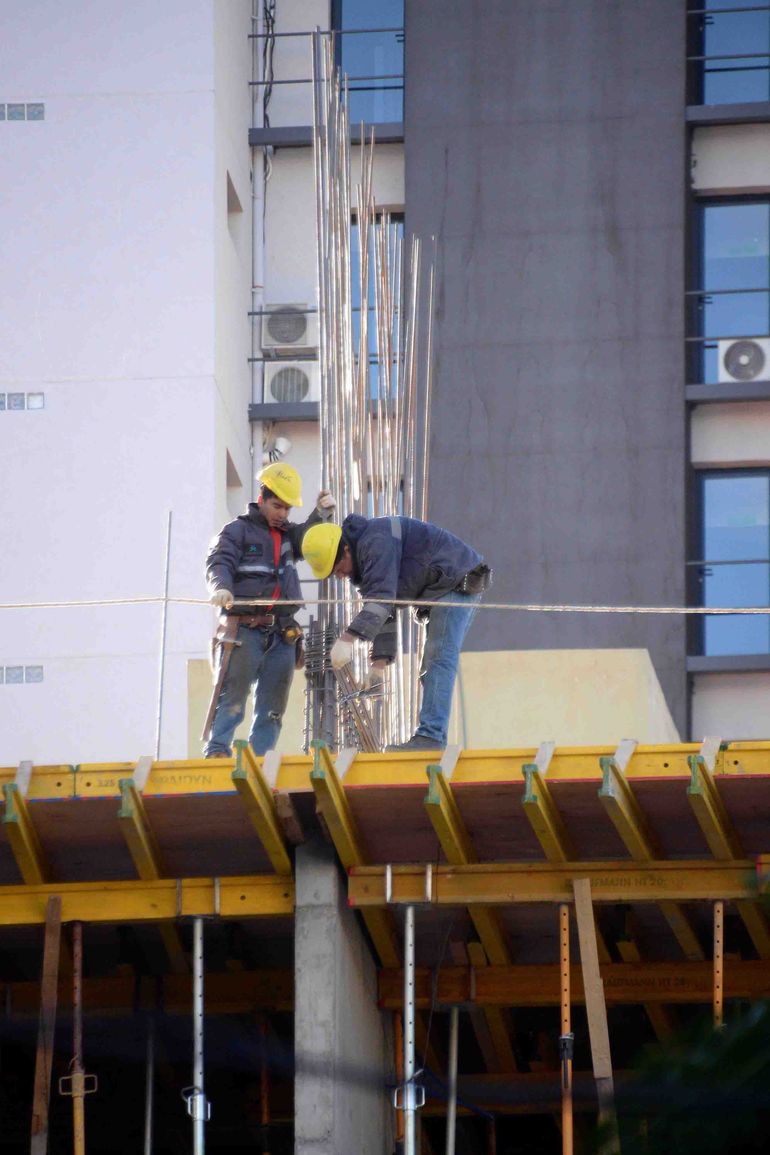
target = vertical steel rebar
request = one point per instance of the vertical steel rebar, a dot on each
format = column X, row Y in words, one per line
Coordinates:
column 451, row 1110
column 162, row 647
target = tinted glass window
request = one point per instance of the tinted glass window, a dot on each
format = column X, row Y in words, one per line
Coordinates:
column 735, row 279
column 371, row 55
column 736, row 551
column 736, row 47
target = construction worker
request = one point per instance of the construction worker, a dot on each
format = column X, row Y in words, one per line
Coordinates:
column 391, row 558
column 252, row 558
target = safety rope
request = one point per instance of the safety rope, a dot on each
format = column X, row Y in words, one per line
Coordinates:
column 521, row 607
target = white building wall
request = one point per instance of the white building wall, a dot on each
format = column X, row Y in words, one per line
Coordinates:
column 731, row 158
column 731, row 706
column 119, row 304
column 731, row 434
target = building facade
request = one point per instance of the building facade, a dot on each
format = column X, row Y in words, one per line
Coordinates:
column 598, row 183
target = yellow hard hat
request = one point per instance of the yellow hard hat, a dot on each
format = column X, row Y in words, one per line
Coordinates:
column 319, row 547
column 284, row 481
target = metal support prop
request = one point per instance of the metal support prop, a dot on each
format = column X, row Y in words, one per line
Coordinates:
column 197, row 1105
column 566, row 1039
column 451, row 1111
column 409, row 1097
column 719, row 963
column 149, row 1086
column 77, row 1084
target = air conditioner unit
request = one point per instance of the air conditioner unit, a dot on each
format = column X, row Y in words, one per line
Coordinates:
column 744, row 359
column 288, row 330
column 288, row 382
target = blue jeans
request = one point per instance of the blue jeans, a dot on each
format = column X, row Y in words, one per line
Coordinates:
column 262, row 657
column 447, row 627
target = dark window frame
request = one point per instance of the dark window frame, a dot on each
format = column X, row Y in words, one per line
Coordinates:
column 336, row 26
column 695, row 41
column 696, row 633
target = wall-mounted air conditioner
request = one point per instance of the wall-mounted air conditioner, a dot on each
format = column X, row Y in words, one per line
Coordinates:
column 288, row 330
column 744, row 359
column 287, row 382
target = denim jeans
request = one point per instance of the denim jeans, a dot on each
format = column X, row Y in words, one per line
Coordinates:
column 447, row 627
column 262, row 657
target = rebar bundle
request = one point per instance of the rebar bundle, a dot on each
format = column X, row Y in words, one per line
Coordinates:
column 375, row 396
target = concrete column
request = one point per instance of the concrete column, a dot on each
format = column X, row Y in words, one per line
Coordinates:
column 343, row 1050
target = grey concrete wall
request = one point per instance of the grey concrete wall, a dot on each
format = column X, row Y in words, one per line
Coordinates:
column 545, row 149
column 342, row 1040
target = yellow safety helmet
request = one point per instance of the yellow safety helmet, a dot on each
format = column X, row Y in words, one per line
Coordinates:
column 319, row 547
column 284, row 481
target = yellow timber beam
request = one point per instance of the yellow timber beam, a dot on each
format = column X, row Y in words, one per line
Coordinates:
column 259, row 802
column 147, row 860
column 456, row 843
column 723, row 842
column 474, row 767
column 137, row 833
column 253, row 896
column 22, row 836
column 511, row 883
column 334, row 809
column 626, row 815
column 538, row 986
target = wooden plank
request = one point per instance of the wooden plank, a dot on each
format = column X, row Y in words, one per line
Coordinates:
column 46, row 1027
column 596, row 1008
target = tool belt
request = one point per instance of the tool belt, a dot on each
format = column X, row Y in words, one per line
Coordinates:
column 252, row 621
column 475, row 581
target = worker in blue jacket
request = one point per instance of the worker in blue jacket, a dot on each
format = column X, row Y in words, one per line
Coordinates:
column 253, row 558
column 401, row 558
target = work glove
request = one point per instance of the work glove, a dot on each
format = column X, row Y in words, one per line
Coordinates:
column 342, row 654
column 222, row 598
column 326, row 503
column 375, row 679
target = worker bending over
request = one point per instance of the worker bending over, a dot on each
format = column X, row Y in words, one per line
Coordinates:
column 253, row 558
column 391, row 558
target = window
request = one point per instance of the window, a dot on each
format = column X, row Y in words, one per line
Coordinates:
column 729, row 51
column 372, row 59
column 397, row 235
column 732, row 297
column 734, row 564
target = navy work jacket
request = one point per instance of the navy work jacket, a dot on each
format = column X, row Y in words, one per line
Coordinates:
column 242, row 559
column 400, row 558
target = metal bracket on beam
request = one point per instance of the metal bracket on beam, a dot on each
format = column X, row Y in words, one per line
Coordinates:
column 709, row 752
column 428, row 893
column 142, row 772
column 449, row 760
column 22, row 778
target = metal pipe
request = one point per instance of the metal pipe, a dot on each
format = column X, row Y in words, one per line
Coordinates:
column 409, row 1089
column 719, row 963
column 196, row 1103
column 163, row 621
column 566, row 1033
column 78, row 1092
column 451, row 1110
column 149, row 1086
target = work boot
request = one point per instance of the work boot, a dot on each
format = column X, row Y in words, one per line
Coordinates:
column 416, row 742
column 217, row 754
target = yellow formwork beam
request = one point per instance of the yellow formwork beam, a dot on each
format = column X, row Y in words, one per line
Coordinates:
column 474, row 767
column 626, row 815
column 513, row 883
column 723, row 842
column 137, row 833
column 335, row 811
column 457, row 845
column 543, row 816
column 537, row 985
column 22, row 836
column 252, row 896
column 259, row 802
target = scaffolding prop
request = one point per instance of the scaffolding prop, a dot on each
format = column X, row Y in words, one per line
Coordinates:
column 77, row 1084
column 198, row 1107
column 375, row 353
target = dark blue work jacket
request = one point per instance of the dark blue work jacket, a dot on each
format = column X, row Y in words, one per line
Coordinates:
column 400, row 558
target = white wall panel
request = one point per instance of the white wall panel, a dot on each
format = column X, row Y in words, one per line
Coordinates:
column 732, row 158
column 731, row 706
column 731, row 434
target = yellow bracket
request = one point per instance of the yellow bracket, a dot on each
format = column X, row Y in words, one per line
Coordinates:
column 624, row 811
column 137, row 833
column 335, row 811
column 447, row 820
column 257, row 797
column 22, row 836
column 543, row 816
